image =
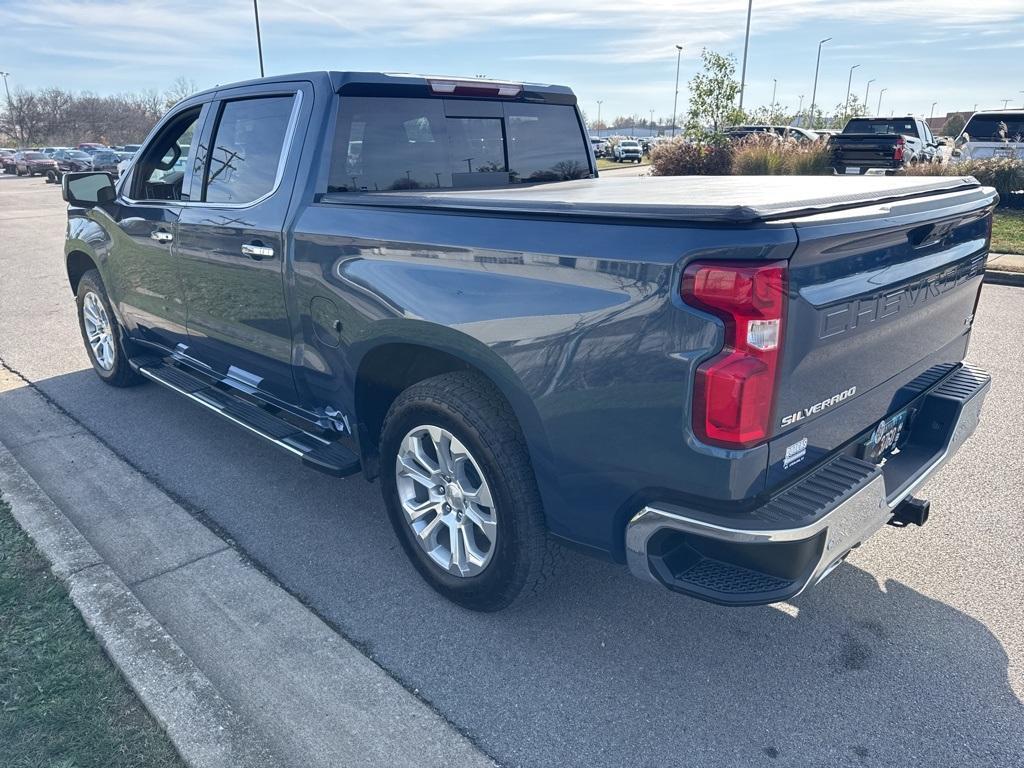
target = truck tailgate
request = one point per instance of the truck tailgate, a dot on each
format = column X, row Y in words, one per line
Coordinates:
column 881, row 304
column 868, row 150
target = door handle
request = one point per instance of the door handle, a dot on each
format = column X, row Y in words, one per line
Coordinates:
column 160, row 236
column 257, row 252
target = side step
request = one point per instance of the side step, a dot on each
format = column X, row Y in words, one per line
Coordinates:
column 332, row 458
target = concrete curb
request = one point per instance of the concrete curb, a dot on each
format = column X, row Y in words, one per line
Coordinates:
column 203, row 728
column 1002, row 277
column 245, row 674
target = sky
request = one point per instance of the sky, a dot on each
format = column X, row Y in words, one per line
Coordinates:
column 958, row 54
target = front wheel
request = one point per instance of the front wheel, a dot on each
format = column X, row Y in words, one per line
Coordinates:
column 461, row 494
column 101, row 332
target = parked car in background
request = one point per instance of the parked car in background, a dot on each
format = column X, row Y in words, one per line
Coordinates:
column 627, row 151
column 105, row 160
column 90, row 146
column 600, row 146
column 32, row 163
column 131, row 148
column 992, row 134
column 782, row 131
column 7, row 160
column 73, row 160
column 728, row 386
column 882, row 144
column 124, row 161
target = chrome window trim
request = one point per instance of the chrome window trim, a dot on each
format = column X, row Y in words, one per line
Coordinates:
column 286, row 148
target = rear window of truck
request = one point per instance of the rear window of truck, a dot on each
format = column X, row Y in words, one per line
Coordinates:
column 386, row 144
column 905, row 127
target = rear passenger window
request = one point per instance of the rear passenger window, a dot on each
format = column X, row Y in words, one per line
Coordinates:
column 247, row 147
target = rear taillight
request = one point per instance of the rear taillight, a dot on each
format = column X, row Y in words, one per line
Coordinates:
column 899, row 149
column 734, row 393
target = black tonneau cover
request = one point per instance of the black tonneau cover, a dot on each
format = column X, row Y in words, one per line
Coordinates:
column 719, row 199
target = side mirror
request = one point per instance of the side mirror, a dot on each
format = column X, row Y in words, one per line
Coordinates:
column 87, row 188
column 956, row 153
column 940, row 142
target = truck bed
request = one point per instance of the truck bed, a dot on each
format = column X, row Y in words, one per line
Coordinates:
column 700, row 199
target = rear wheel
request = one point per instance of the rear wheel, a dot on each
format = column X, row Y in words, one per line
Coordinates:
column 102, row 334
column 461, row 494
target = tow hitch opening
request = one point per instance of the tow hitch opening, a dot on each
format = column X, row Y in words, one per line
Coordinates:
column 910, row 510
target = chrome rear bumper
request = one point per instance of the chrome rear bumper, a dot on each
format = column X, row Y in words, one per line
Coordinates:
column 793, row 541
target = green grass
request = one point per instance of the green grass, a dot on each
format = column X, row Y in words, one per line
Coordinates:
column 62, row 703
column 1008, row 232
column 604, row 164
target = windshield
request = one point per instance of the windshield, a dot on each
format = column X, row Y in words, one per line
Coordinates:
column 996, row 127
column 35, row 156
column 881, row 127
column 77, row 155
column 386, row 144
column 630, row 144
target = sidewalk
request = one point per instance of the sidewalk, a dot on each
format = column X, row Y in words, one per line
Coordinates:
column 1005, row 269
column 237, row 671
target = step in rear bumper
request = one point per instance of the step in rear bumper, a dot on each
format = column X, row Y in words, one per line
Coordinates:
column 777, row 550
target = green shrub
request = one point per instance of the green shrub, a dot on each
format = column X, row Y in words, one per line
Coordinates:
column 1004, row 173
column 680, row 157
column 764, row 154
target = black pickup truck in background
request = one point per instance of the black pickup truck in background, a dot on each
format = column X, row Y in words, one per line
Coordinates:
column 888, row 144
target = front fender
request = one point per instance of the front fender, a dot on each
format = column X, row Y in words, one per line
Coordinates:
column 85, row 236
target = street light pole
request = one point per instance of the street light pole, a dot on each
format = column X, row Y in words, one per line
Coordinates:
column 5, row 75
column 599, row 124
column 867, row 90
column 932, row 114
column 775, row 88
column 259, row 41
column 1005, row 102
column 814, row 91
column 675, row 101
column 849, row 85
column 651, row 124
column 880, row 94
column 746, row 45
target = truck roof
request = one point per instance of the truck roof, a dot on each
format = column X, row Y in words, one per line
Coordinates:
column 339, row 80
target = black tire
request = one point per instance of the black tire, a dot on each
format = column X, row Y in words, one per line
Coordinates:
column 469, row 407
column 120, row 374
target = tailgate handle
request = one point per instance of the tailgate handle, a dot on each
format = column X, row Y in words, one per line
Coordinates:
column 930, row 234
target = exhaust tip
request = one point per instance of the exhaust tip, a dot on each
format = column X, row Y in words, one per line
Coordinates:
column 910, row 510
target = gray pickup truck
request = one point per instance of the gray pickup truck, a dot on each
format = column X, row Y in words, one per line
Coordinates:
column 726, row 383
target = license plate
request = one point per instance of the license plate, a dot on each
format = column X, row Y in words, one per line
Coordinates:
column 852, row 171
column 885, row 437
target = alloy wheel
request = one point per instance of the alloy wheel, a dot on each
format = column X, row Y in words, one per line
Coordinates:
column 98, row 331
column 446, row 500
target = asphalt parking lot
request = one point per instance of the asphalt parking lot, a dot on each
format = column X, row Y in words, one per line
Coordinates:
column 911, row 653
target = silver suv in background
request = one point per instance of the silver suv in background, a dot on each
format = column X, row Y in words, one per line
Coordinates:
column 992, row 133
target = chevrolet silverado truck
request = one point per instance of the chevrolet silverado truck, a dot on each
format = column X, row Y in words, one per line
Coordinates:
column 882, row 145
column 725, row 383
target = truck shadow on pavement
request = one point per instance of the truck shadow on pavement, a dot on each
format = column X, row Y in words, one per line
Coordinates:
column 601, row 669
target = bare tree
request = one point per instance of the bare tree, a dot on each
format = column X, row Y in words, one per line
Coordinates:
column 181, row 88
column 54, row 116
